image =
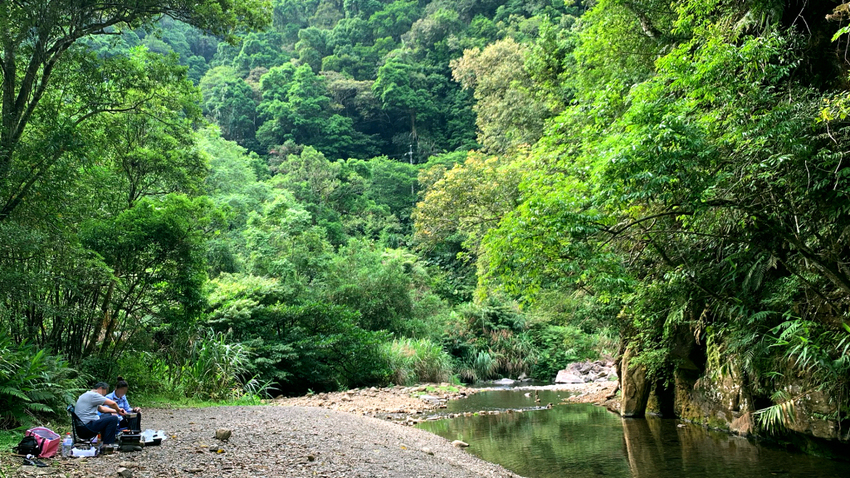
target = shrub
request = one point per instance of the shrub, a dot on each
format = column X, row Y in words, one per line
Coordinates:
column 411, row 361
column 33, row 382
column 375, row 283
column 215, row 367
column 323, row 348
column 558, row 346
column 490, row 340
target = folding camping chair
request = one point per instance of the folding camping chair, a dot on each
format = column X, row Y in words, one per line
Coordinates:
column 79, row 431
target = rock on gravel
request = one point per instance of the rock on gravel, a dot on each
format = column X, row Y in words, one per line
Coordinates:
column 269, row 441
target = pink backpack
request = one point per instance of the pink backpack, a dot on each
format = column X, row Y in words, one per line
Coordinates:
column 49, row 441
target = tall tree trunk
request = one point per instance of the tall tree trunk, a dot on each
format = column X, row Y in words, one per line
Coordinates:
column 99, row 326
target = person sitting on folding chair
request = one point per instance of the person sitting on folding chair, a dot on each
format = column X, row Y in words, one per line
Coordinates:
column 134, row 415
column 95, row 401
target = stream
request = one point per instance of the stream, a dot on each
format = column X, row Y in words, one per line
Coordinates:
column 582, row 440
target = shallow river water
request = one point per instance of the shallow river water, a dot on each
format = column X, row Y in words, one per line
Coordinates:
column 580, row 440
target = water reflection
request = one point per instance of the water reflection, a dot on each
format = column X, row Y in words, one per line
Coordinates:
column 657, row 447
column 506, row 400
column 587, row 441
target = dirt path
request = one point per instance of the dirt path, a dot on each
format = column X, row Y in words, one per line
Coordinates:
column 270, row 441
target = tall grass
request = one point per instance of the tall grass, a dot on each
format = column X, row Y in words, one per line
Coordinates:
column 412, row 361
column 514, row 353
column 215, row 367
column 483, row 366
column 33, row 382
column 212, row 368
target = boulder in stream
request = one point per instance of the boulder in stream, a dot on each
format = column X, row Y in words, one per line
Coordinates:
column 564, row 376
column 583, row 372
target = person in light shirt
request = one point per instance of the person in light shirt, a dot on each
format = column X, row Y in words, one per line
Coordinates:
column 93, row 402
column 119, row 395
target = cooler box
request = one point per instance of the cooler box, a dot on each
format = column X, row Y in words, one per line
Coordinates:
column 129, row 439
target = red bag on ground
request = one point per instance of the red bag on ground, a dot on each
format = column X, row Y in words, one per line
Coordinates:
column 49, row 440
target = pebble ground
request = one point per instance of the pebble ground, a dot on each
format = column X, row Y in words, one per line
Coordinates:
column 270, row 441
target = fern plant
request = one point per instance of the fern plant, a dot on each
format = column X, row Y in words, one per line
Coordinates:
column 776, row 418
column 823, row 354
column 32, row 383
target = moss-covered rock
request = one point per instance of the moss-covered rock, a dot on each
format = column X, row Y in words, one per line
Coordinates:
column 635, row 387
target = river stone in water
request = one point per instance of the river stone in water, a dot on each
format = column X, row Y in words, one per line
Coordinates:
column 431, row 398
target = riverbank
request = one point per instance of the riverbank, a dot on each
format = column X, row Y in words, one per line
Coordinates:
column 411, row 405
column 403, row 405
column 271, row 441
column 603, row 394
column 352, row 433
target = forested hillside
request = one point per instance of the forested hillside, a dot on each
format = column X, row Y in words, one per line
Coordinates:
column 221, row 200
column 356, row 79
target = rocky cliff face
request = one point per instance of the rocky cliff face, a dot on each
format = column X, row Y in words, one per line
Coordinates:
column 724, row 401
column 634, row 386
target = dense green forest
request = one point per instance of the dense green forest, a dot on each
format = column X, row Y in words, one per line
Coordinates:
column 219, row 199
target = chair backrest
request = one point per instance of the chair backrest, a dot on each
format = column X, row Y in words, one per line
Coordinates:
column 79, row 430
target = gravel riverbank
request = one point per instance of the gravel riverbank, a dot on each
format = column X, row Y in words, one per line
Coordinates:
column 404, row 405
column 273, row 441
column 357, row 433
